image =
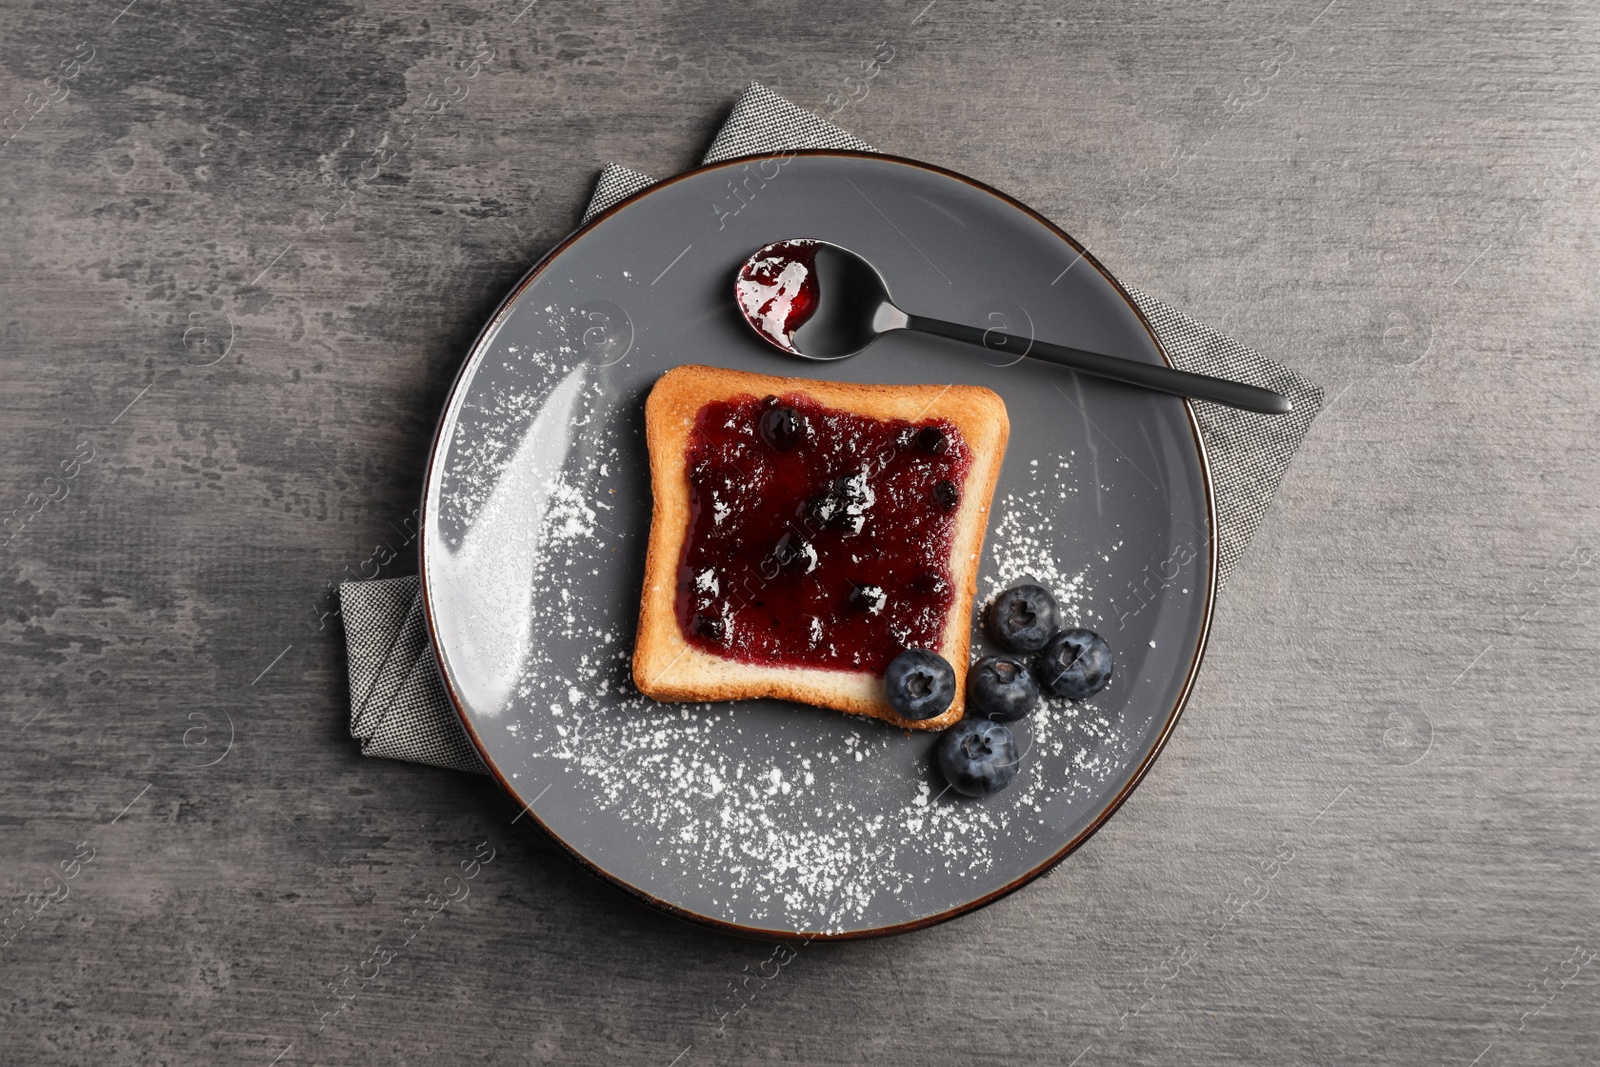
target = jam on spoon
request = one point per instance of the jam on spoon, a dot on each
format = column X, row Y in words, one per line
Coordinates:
column 778, row 290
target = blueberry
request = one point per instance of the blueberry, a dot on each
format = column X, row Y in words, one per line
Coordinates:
column 854, row 498
column 932, row 439
column 946, row 495
column 1001, row 688
column 920, row 684
column 978, row 757
column 782, row 428
column 795, row 553
column 849, row 523
column 1023, row 618
column 868, row 598
column 854, row 492
column 709, row 627
column 1076, row 664
column 852, row 489
column 819, row 511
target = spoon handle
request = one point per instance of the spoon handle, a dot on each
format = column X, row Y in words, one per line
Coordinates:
column 1159, row 377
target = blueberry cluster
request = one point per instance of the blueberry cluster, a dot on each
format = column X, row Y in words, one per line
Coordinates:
column 979, row 754
column 1068, row 662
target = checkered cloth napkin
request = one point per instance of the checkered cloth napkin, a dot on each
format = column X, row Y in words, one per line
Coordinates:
column 398, row 706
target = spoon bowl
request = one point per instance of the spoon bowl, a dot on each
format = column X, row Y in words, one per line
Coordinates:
column 812, row 299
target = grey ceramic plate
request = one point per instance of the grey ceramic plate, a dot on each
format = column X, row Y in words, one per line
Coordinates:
column 758, row 816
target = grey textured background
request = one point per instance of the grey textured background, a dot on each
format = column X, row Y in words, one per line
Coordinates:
column 1397, row 199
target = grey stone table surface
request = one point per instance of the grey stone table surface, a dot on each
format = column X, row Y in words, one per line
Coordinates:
column 243, row 250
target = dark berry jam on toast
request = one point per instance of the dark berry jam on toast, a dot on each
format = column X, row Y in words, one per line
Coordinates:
column 818, row 537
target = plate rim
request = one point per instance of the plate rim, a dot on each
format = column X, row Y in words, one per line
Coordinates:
column 492, row 326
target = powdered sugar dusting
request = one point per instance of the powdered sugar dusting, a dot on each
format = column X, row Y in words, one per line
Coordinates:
column 1025, row 541
column 783, row 844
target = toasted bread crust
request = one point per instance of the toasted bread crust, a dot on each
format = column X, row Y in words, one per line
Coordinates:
column 667, row 667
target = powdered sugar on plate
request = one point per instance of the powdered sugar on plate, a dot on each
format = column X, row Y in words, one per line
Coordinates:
column 1025, row 543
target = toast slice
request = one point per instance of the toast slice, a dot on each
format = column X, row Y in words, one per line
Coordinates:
column 711, row 624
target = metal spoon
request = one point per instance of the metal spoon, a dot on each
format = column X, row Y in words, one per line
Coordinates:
column 817, row 300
